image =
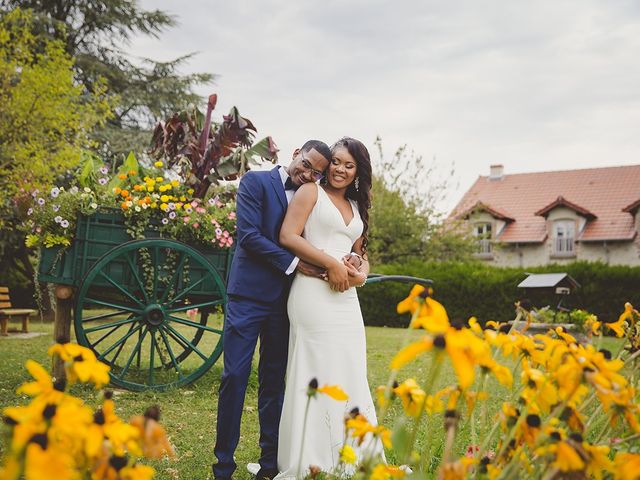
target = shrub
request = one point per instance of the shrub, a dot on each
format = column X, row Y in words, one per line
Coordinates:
column 489, row 293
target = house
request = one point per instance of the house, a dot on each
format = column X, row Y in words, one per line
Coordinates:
column 530, row 219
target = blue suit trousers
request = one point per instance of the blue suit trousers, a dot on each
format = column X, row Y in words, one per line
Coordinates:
column 246, row 321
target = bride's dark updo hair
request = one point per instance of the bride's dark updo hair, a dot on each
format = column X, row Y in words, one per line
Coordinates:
column 363, row 173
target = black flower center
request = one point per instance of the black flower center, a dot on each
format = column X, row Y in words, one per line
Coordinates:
column 533, row 420
column 117, row 462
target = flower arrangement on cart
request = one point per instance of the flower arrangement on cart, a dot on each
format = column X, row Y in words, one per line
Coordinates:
column 146, row 246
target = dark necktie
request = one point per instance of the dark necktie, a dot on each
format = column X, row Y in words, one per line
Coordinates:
column 289, row 185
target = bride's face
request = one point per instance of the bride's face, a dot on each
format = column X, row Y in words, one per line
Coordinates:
column 342, row 169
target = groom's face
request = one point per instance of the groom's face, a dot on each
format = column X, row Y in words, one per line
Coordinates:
column 307, row 166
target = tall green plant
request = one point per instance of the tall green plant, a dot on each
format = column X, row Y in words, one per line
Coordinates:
column 207, row 152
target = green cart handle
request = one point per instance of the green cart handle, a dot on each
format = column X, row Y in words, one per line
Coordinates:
column 377, row 278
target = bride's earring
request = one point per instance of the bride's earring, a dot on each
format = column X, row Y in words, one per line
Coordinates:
column 357, row 184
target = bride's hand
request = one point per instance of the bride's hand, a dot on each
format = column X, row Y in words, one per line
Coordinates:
column 338, row 276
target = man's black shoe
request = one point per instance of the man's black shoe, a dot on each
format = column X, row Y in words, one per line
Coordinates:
column 266, row 473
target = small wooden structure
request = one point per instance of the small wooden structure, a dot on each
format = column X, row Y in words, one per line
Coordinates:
column 8, row 313
column 559, row 285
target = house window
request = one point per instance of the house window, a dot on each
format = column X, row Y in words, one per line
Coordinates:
column 482, row 231
column 564, row 237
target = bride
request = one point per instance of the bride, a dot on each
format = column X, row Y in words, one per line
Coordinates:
column 324, row 223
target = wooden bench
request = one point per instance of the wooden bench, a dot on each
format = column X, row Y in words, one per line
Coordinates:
column 7, row 313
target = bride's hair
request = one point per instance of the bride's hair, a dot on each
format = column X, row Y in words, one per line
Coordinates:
column 362, row 195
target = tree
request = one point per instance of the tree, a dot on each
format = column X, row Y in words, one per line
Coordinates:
column 405, row 221
column 95, row 32
column 45, row 124
column 45, row 117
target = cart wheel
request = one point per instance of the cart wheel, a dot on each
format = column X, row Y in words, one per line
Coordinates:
column 150, row 309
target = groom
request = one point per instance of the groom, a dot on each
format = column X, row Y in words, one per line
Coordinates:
column 258, row 287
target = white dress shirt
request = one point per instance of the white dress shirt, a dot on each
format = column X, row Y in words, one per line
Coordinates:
column 289, row 193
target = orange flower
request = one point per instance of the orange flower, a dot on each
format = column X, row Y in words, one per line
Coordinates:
column 335, row 392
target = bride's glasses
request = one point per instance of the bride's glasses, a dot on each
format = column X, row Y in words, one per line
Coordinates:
column 317, row 175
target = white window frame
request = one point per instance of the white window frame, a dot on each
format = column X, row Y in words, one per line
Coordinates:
column 564, row 237
column 483, row 231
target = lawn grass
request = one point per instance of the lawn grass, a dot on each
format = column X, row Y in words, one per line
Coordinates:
column 189, row 413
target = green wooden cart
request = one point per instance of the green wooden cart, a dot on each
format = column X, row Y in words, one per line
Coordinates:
column 152, row 309
column 149, row 308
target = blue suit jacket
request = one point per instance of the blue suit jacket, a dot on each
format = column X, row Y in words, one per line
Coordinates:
column 259, row 264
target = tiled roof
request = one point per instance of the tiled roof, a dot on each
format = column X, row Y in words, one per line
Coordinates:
column 481, row 207
column 604, row 193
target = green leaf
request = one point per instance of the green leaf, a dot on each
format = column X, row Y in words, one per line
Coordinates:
column 400, row 438
column 265, row 149
column 130, row 164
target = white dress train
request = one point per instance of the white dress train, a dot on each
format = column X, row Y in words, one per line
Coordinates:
column 327, row 342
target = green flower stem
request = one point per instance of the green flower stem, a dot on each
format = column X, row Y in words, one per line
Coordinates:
column 625, row 440
column 426, row 452
column 435, row 370
column 382, row 411
column 304, row 431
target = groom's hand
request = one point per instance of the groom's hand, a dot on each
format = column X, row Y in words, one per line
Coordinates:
column 354, row 260
column 311, row 270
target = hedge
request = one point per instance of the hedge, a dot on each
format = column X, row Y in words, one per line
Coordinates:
column 488, row 293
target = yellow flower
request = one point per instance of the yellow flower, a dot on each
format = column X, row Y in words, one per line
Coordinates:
column 137, row 472
column 410, row 352
column 618, row 326
column 49, row 463
column 598, row 460
column 164, row 206
column 81, row 364
column 627, row 466
column 348, row 455
column 43, row 384
column 153, row 436
column 455, row 470
column 412, row 397
column 190, row 191
column 164, row 198
column 175, row 183
column 567, row 459
column 335, row 392
column 381, row 396
column 385, row 472
column 158, row 164
column 359, row 427
column 432, row 316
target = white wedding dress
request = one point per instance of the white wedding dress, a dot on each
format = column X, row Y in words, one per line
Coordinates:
column 327, row 342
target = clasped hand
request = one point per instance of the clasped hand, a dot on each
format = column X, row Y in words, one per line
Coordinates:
column 341, row 275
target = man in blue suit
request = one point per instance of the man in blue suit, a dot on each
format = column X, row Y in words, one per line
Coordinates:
column 259, row 282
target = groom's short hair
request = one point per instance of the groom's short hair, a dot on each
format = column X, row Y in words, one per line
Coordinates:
column 319, row 146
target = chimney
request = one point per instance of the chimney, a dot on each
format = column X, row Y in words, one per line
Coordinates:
column 496, row 172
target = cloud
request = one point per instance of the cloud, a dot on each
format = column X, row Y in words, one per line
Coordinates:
column 533, row 85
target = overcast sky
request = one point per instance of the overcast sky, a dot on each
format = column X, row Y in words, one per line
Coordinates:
column 533, row 85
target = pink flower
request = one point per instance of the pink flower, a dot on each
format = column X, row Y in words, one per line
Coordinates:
column 229, row 241
column 471, row 451
column 196, row 225
column 186, row 219
column 232, row 215
column 225, row 234
column 192, row 313
column 194, row 204
column 200, row 210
